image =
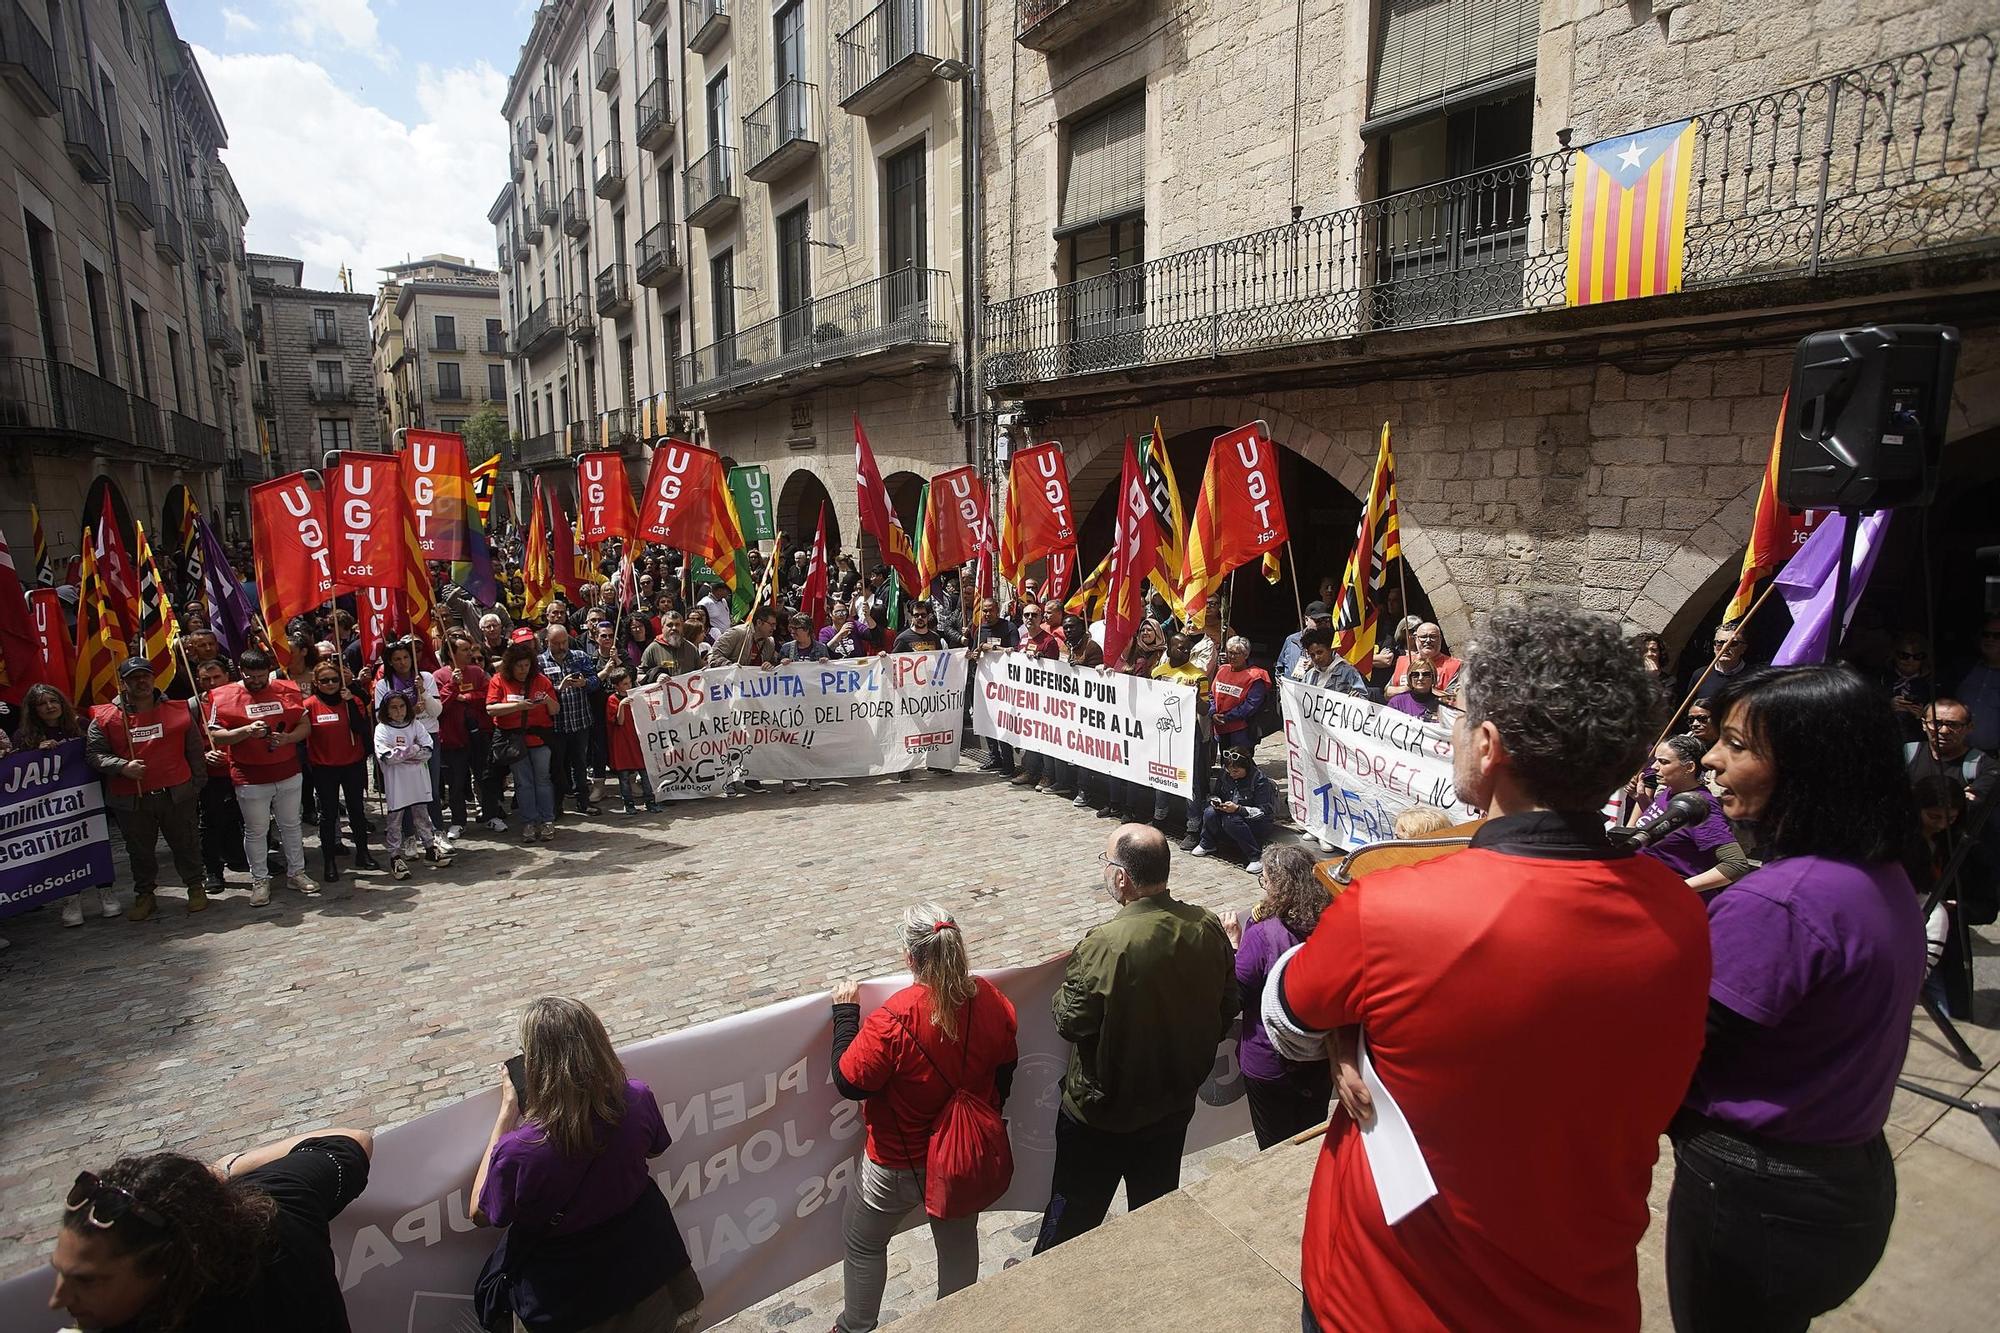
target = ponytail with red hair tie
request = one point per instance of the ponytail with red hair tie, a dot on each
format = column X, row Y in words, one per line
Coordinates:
column 939, row 927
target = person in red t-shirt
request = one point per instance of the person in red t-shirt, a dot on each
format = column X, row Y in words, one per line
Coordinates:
column 221, row 820
column 948, row 1030
column 520, row 699
column 1534, row 1004
column 337, row 744
column 621, row 729
column 260, row 721
column 462, row 735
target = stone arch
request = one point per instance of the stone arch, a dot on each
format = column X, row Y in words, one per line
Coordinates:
column 800, row 501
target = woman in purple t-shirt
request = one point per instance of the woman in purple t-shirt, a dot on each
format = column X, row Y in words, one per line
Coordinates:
column 1783, row 1185
column 591, row 1243
column 1287, row 1097
column 1706, row 854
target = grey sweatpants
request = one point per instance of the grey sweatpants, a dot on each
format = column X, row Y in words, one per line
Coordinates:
column 875, row 1210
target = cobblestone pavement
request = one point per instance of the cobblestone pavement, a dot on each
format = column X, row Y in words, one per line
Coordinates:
column 210, row 1033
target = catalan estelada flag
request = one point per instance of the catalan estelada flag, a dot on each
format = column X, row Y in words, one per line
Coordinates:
column 1628, row 214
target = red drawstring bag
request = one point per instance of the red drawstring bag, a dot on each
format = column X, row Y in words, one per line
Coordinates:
column 969, row 1162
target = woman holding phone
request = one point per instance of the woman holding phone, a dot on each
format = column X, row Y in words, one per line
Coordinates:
column 521, row 702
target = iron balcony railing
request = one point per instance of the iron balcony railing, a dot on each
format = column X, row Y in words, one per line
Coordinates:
column 604, row 60
column 442, row 340
column 27, row 61
column 706, row 23
column 711, row 186
column 538, row 448
column 516, row 167
column 608, row 170
column 327, row 392
column 169, row 240
column 496, row 344
column 323, row 336
column 782, row 132
column 655, row 116
column 579, row 319
column 531, row 229
column 572, row 119
column 545, row 205
column 576, row 212
column 195, row 440
column 261, row 400
column 614, row 289
column 534, row 330
column 544, row 108
column 657, row 258
column 149, row 427
column 44, row 397
column 133, row 191
column 1885, row 161
column 885, row 55
column 83, row 137
column 201, row 215
column 526, row 141
column 451, row 392
column 908, row 308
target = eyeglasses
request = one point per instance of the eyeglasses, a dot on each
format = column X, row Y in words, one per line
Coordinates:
column 1948, row 723
column 1104, row 860
column 108, row 1205
column 1904, row 655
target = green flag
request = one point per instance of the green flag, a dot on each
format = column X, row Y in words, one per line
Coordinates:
column 751, row 487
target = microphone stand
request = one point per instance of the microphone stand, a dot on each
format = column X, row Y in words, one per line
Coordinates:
column 1947, row 881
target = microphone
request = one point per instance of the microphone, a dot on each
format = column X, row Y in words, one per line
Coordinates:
column 1689, row 807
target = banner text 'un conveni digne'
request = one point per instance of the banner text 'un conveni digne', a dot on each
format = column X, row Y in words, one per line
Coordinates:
column 764, row 1153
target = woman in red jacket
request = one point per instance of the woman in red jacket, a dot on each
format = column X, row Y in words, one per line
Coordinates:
column 519, row 698
column 338, row 748
column 947, row 1030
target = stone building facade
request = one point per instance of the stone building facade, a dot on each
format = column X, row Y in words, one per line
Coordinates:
column 315, row 366
column 440, row 344
column 1213, row 216
column 122, row 323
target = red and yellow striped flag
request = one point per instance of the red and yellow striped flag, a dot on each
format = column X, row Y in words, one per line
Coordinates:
column 1377, row 540
column 98, row 649
column 1628, row 214
column 157, row 627
column 45, row 571
column 416, row 578
column 537, row 575
column 1776, row 532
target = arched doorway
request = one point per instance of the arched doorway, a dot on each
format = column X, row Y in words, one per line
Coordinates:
column 905, row 491
column 1320, row 514
column 800, row 502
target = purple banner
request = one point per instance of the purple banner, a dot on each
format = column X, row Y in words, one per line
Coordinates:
column 53, row 837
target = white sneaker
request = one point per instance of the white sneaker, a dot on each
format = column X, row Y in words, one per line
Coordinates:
column 302, row 884
column 1199, row 850
column 107, row 904
column 399, row 868
column 454, row 833
column 1326, row 844
column 260, row 893
column 1255, row 867
column 497, row 825
column 72, row 911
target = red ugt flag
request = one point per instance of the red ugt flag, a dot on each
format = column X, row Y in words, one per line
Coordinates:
column 289, row 538
column 1239, row 515
column 364, row 501
column 605, row 507
column 440, row 492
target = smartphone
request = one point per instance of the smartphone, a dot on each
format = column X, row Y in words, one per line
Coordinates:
column 517, row 1074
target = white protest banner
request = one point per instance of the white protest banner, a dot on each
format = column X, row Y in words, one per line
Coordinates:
column 1352, row 765
column 806, row 720
column 1130, row 727
column 764, row 1152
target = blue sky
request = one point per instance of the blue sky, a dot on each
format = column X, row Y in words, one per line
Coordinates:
column 361, row 132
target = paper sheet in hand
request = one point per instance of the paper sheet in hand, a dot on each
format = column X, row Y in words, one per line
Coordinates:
column 1401, row 1178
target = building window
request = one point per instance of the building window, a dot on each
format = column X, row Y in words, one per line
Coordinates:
column 1430, row 54
column 41, row 268
column 446, row 329
column 329, row 379
column 672, row 333
column 174, row 368
column 335, row 433
column 794, row 278
column 142, row 351
column 789, row 49
column 496, row 340
column 452, row 425
column 717, row 100
column 903, row 230
column 496, row 383
column 722, row 308
column 449, row 386
column 326, row 327
column 100, row 320
column 1104, row 167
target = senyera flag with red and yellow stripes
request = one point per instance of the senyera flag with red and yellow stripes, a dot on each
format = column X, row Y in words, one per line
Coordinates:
column 1628, row 215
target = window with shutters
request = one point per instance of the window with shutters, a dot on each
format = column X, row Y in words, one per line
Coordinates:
column 1434, row 54
column 1102, row 225
column 1104, row 166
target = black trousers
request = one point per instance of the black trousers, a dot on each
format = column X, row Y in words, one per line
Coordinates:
column 154, row 816
column 1282, row 1107
column 455, row 781
column 1762, row 1238
column 1090, row 1163
column 569, row 767
column 329, row 785
column 221, row 828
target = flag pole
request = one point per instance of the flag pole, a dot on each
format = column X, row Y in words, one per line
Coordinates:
column 1297, row 601
column 1735, row 632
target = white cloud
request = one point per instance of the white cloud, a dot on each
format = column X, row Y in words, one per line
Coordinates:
column 334, row 181
column 350, row 24
column 236, row 23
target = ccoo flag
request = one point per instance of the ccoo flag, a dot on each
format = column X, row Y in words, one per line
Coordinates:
column 1628, row 214
column 1377, row 540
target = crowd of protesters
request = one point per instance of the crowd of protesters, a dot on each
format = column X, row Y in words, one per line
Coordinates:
column 1755, row 1010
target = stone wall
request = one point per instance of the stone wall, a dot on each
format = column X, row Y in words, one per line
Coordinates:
column 287, row 347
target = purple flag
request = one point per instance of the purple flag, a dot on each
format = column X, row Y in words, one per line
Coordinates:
column 229, row 613
column 1807, row 585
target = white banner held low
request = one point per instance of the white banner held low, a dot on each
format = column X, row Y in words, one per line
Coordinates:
column 809, row 720
column 764, row 1153
column 1130, row 727
column 1353, row 765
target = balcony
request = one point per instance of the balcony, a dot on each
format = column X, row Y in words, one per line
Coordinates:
column 83, row 137
column 323, row 336
column 333, row 392
column 604, row 61
column 149, row 427
column 538, row 450
column 195, row 440
column 525, row 140
column 652, row 11
column 523, row 251
column 1883, row 188
column 711, row 188
column 658, row 258
column 27, row 61
column 221, row 335
column 496, row 344
column 608, row 171
column 437, row 340
column 531, row 229
column 782, row 134
column 576, row 213
column 451, row 393
column 580, row 321
column 886, row 57
column 169, row 241
column 543, row 105
column 534, row 331
column 545, row 205
column 55, row 398
column 614, row 289
column 253, row 326
column 706, row 23
column 1048, row 25
column 262, row 402
column 201, row 216
column 572, row 119
column 655, row 114
column 516, row 166
column 134, row 193
column 899, row 320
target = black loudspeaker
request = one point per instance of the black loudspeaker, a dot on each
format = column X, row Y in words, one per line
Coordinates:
column 1865, row 427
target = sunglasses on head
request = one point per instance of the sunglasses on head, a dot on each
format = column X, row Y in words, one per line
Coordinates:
column 105, row 1206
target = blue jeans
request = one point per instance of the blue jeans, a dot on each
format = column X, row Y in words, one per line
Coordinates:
column 534, row 795
column 1247, row 834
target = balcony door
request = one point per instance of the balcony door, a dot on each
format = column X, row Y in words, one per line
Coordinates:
column 795, row 324
column 722, row 311
column 903, row 34
column 788, row 72
column 1102, row 223
column 903, row 253
column 718, row 110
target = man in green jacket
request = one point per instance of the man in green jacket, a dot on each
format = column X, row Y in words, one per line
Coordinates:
column 1145, row 999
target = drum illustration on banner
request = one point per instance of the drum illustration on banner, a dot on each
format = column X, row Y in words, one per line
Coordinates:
column 1129, row 727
